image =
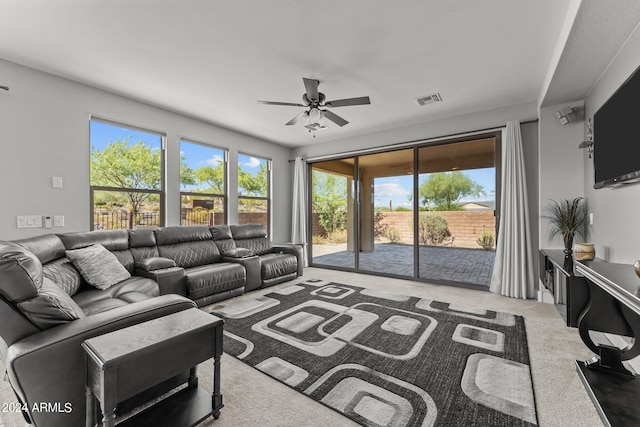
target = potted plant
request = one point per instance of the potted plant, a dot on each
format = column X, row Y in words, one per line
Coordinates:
column 568, row 218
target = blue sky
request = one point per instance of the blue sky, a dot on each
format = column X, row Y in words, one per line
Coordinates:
column 398, row 188
column 395, row 189
column 195, row 155
column 101, row 134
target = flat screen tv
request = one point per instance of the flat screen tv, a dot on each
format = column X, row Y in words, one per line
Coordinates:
column 616, row 136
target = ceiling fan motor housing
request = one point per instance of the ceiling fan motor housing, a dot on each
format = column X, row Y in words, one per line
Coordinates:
column 308, row 101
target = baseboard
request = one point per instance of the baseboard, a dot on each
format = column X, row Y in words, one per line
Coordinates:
column 545, row 296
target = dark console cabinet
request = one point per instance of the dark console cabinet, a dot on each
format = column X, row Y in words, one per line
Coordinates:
column 558, row 275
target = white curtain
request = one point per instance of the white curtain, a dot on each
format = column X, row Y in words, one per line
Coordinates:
column 513, row 268
column 299, row 206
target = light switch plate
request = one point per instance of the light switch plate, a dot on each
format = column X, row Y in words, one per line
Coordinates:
column 29, row 221
column 56, row 181
column 58, row 220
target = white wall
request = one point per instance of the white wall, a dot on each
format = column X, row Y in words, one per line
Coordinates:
column 560, row 165
column 616, row 230
column 480, row 120
column 44, row 132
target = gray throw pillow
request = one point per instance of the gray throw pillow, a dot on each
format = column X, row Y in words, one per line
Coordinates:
column 50, row 307
column 98, row 266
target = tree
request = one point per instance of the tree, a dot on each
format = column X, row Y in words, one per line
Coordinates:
column 187, row 175
column 213, row 176
column 330, row 200
column 442, row 191
column 253, row 185
column 132, row 167
column 126, row 166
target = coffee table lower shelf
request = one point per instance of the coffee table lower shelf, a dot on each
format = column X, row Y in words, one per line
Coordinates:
column 614, row 395
column 187, row 407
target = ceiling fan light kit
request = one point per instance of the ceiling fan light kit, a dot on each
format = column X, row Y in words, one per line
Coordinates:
column 316, row 114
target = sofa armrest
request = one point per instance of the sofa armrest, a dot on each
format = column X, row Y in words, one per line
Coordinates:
column 170, row 280
column 293, row 249
column 50, row 366
column 154, row 263
column 252, row 266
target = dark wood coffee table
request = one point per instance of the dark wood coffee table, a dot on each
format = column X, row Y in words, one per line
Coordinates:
column 126, row 362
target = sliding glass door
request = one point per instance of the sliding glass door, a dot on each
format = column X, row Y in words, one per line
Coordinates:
column 425, row 212
column 333, row 213
column 457, row 202
column 386, row 213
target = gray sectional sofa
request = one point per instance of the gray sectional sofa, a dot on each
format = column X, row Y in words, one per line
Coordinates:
column 57, row 290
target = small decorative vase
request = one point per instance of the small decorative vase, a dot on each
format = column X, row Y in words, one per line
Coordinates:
column 584, row 252
column 636, row 267
column 568, row 243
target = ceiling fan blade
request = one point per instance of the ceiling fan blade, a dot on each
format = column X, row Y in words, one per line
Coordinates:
column 334, row 118
column 311, row 86
column 289, row 104
column 297, row 118
column 363, row 100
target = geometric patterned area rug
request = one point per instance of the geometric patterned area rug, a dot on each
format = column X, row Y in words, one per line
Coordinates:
column 387, row 360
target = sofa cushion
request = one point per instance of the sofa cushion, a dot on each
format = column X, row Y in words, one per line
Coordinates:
column 258, row 245
column 64, row 275
column 276, row 265
column 142, row 244
column 223, row 238
column 20, row 272
column 47, row 247
column 116, row 241
column 189, row 246
column 214, row 278
column 248, row 231
column 50, row 307
column 134, row 289
column 98, row 266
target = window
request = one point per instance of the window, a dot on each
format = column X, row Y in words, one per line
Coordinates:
column 203, row 172
column 254, row 195
column 126, row 177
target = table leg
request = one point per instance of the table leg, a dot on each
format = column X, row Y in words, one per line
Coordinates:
column 109, row 418
column 217, row 396
column 193, row 377
column 91, row 408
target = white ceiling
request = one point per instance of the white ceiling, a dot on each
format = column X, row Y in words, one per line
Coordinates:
column 213, row 59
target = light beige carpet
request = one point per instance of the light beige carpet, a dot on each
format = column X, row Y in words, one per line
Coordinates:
column 253, row 399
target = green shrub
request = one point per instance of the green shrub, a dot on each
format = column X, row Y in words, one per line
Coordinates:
column 486, row 240
column 337, row 236
column 317, row 239
column 433, row 229
column 393, row 234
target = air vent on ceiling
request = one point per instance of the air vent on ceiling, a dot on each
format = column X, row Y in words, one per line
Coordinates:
column 429, row 99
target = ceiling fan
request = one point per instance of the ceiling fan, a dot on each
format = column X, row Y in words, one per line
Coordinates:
column 317, row 111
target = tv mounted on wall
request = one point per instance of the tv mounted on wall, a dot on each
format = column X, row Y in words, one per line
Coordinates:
column 616, row 136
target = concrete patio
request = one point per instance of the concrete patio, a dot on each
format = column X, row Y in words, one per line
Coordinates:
column 461, row 265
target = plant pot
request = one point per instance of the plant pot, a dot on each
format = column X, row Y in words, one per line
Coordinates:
column 568, row 243
column 584, row 252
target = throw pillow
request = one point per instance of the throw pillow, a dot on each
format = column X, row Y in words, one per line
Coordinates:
column 99, row 267
column 50, row 307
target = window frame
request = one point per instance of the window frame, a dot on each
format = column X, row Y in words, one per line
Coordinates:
column 269, row 163
column 225, row 195
column 163, row 161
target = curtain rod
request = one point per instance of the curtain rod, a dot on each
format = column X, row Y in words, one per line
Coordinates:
column 293, row 160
